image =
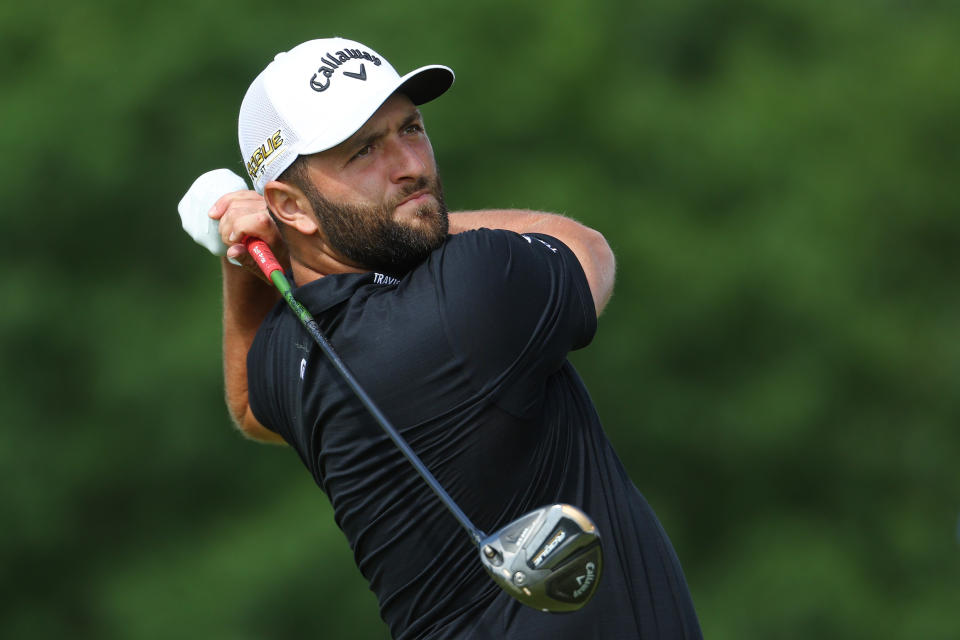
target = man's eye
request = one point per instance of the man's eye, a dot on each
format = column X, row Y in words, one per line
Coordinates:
column 363, row 152
column 414, row 128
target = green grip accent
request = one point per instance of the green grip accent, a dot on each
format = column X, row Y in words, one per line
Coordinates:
column 283, row 286
column 280, row 282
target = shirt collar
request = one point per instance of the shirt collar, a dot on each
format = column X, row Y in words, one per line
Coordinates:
column 329, row 291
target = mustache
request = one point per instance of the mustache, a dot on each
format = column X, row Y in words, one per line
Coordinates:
column 422, row 183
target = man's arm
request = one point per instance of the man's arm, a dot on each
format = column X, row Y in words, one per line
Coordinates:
column 589, row 246
column 246, row 302
column 247, row 299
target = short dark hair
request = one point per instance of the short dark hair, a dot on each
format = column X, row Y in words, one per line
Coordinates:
column 296, row 174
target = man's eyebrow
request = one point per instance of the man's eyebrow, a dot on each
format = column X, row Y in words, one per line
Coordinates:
column 374, row 136
column 412, row 118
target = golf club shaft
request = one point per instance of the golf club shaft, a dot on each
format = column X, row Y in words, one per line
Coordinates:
column 271, row 268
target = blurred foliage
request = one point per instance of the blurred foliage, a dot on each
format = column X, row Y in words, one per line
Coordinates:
column 777, row 368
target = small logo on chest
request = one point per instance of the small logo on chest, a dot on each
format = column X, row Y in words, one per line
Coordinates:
column 382, row 278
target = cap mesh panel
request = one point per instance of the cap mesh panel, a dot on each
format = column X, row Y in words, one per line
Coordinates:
column 259, row 122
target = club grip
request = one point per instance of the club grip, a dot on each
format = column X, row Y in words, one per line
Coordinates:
column 262, row 255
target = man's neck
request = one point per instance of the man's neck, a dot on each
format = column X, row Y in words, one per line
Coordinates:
column 318, row 267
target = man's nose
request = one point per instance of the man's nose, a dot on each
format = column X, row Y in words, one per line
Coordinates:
column 408, row 161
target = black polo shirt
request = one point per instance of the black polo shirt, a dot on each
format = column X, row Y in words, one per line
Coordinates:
column 467, row 356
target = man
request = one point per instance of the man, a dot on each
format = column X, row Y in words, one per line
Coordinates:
column 458, row 325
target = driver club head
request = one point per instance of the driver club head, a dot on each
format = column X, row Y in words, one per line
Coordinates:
column 549, row 559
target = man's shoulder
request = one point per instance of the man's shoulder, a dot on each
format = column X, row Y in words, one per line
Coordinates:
column 500, row 249
column 481, row 239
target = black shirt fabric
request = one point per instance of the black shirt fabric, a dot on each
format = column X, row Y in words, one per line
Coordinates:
column 467, row 356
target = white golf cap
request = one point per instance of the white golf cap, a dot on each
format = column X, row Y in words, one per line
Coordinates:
column 317, row 95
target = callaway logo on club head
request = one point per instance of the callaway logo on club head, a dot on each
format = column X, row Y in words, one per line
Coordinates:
column 333, row 61
column 586, row 580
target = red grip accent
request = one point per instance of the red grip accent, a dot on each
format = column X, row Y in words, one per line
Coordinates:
column 262, row 254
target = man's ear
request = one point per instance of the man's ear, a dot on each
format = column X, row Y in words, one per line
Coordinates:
column 291, row 206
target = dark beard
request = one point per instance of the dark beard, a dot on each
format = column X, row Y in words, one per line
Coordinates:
column 370, row 237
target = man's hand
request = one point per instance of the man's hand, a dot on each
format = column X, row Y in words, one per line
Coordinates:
column 241, row 214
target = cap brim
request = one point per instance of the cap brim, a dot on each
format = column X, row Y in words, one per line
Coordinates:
column 426, row 83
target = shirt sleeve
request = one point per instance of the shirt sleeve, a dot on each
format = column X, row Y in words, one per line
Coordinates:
column 514, row 306
column 262, row 370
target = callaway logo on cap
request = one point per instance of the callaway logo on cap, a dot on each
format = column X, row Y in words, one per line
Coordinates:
column 332, row 63
column 317, row 95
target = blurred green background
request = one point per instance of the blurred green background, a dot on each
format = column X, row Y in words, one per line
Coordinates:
column 778, row 367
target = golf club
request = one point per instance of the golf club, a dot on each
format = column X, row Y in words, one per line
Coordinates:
column 549, row 559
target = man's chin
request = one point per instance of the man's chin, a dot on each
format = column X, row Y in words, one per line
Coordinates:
column 435, row 223
column 426, row 207
column 429, row 219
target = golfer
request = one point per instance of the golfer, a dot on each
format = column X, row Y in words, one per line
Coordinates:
column 458, row 326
